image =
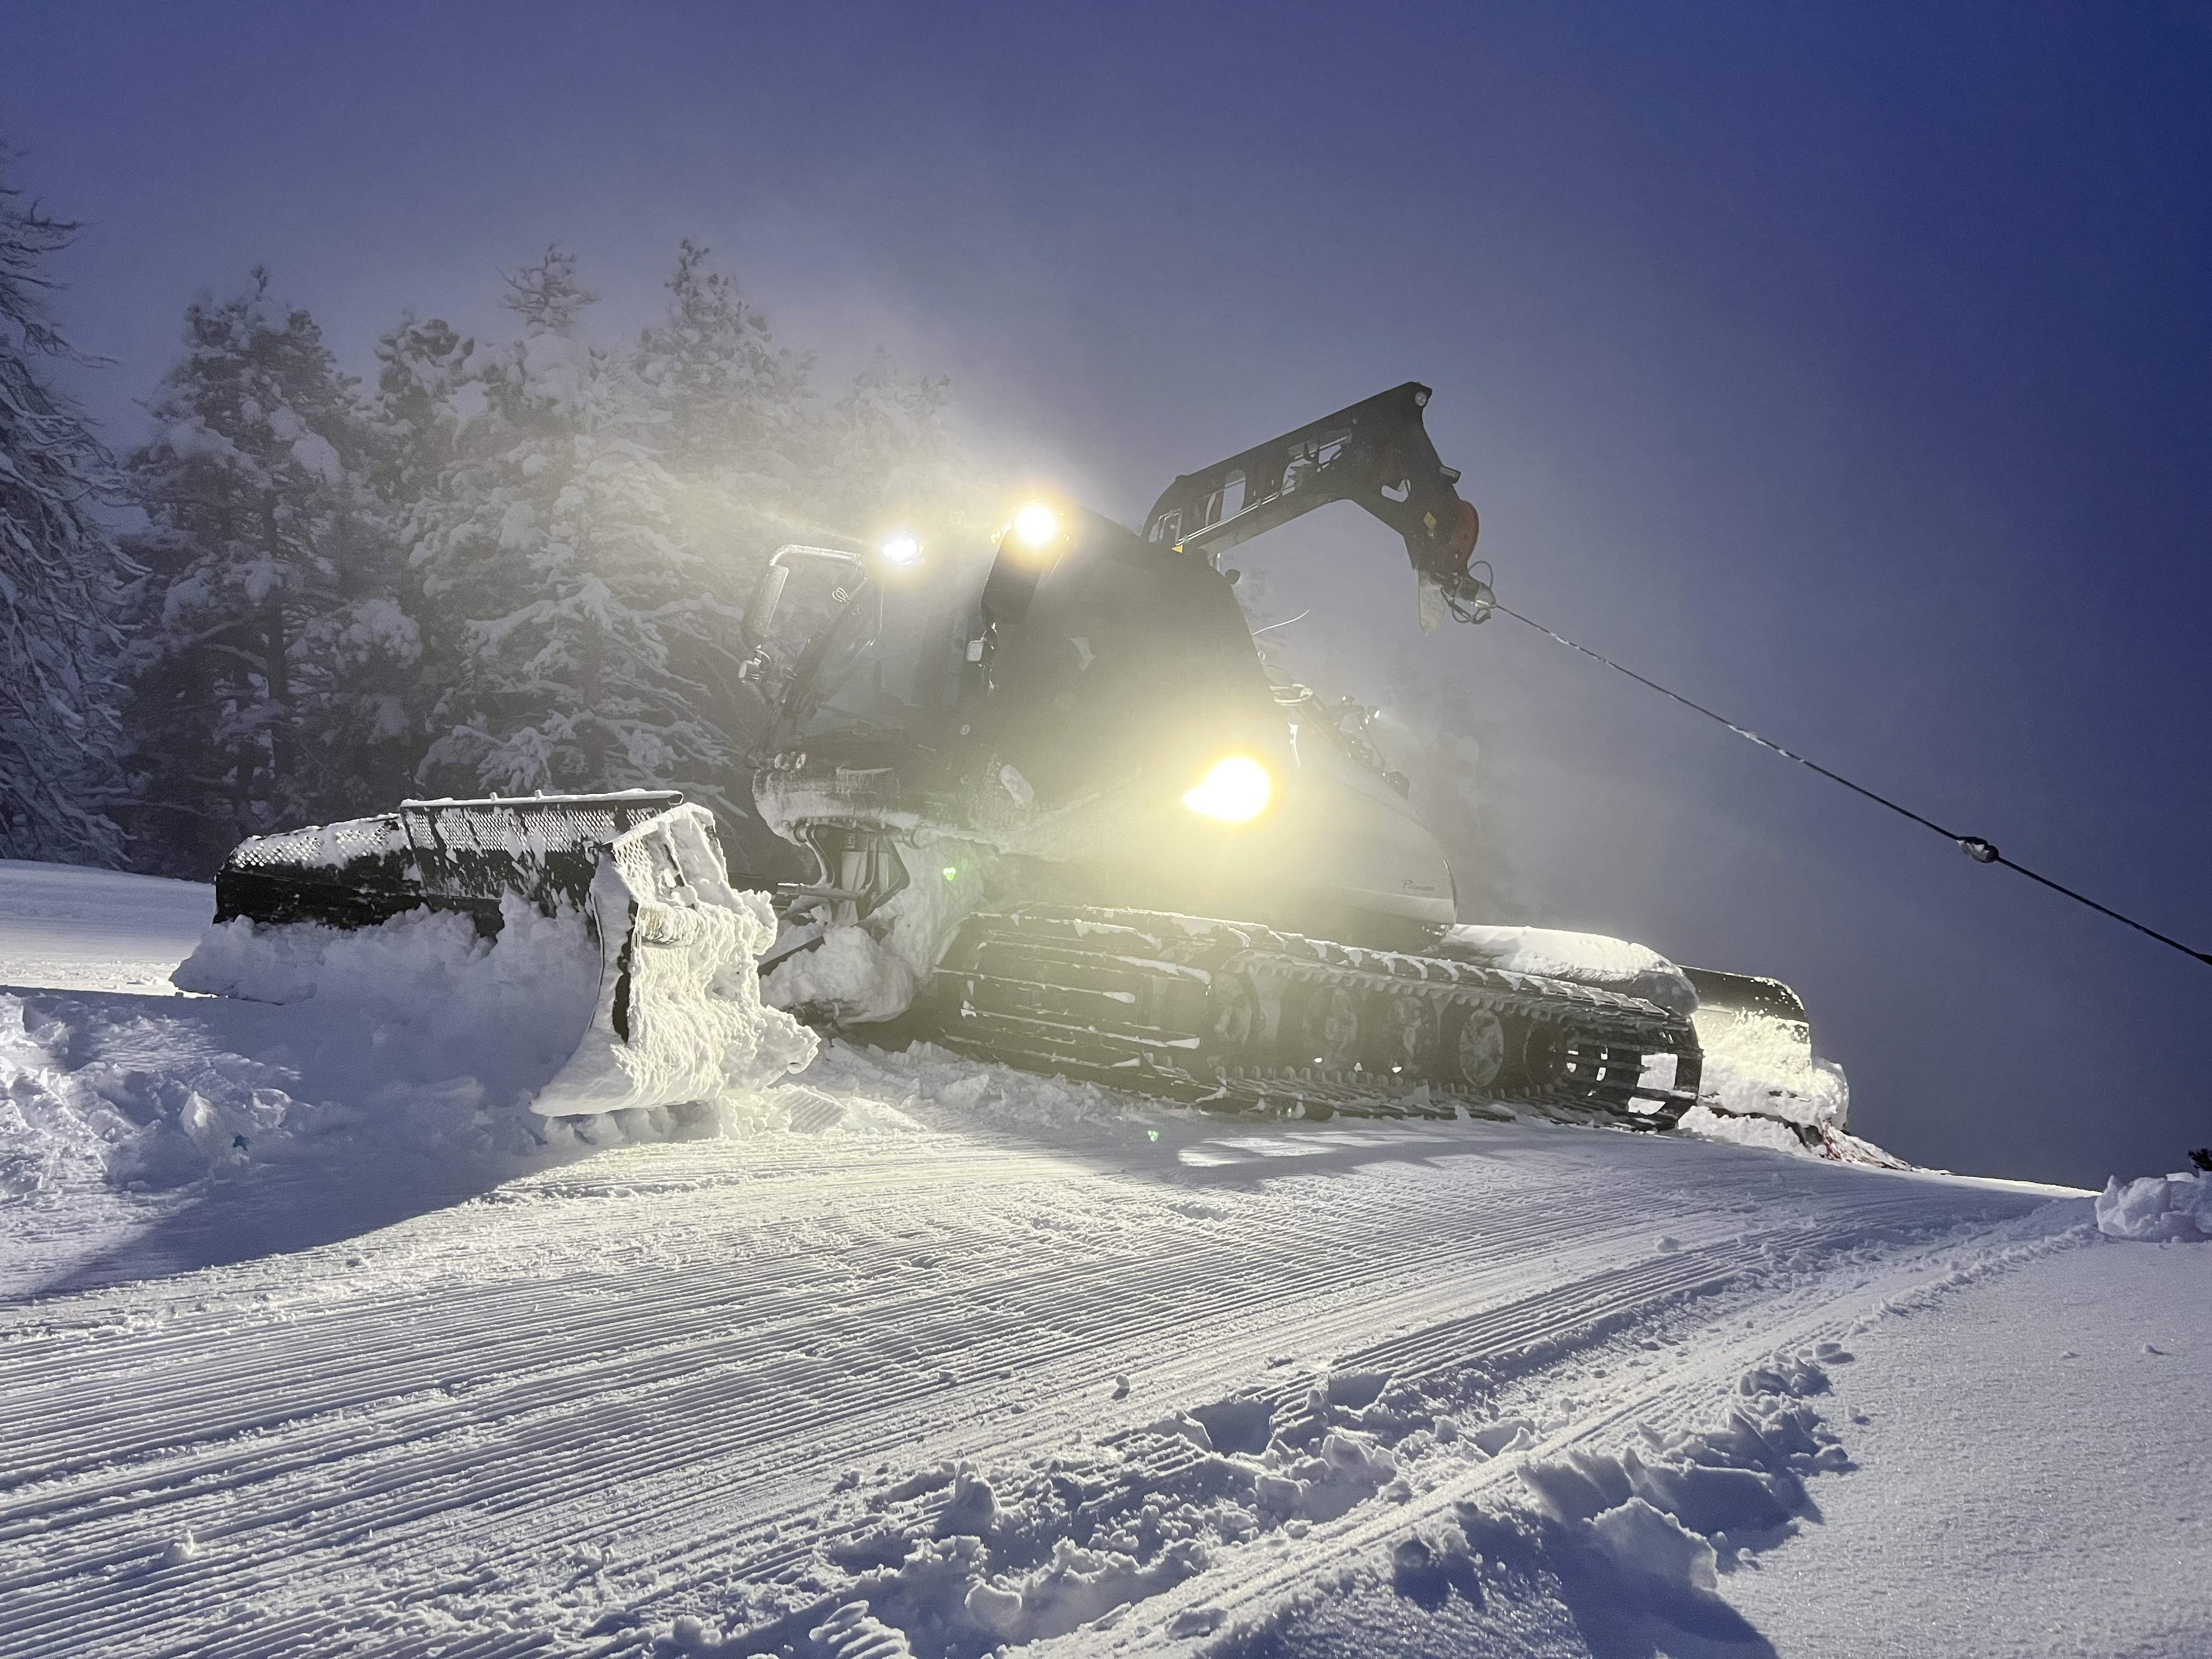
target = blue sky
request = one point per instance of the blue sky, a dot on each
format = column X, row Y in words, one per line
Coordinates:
column 1849, row 368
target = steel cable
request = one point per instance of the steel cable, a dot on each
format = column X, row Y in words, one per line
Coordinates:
column 1977, row 847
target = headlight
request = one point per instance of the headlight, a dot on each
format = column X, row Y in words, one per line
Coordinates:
column 900, row 549
column 1234, row 790
column 1035, row 525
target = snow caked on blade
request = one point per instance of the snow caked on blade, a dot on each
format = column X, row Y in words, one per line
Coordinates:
column 677, row 1014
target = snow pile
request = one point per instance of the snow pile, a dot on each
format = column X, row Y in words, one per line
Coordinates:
column 418, row 1037
column 201, row 1109
column 955, row 1582
column 924, row 1077
column 952, row 1567
column 848, row 975
column 2161, row 1209
column 508, row 1009
column 1685, row 1503
column 1609, row 964
column 1757, row 1063
column 960, row 1557
column 1762, row 1131
column 51, row 1124
column 66, row 1126
column 1632, row 1543
column 800, row 1108
column 529, row 1014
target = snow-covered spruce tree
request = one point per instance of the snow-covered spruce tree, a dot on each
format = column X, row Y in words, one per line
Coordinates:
column 735, row 436
column 563, row 611
column 736, row 426
column 881, row 454
column 59, row 574
column 426, row 389
column 757, row 462
column 270, row 656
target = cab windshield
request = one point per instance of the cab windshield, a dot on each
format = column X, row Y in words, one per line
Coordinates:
column 831, row 646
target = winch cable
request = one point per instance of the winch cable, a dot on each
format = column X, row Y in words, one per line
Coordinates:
column 1977, row 847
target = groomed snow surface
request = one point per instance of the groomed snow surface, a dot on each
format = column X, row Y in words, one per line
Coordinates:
column 315, row 1340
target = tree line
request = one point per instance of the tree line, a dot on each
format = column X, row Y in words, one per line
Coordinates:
column 488, row 566
column 499, row 567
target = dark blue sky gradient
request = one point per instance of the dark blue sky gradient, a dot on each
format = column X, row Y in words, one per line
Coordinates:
column 1849, row 368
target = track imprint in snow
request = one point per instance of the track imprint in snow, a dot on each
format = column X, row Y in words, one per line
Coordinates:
column 1033, row 1359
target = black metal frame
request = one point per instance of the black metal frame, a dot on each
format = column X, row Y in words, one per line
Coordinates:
column 458, row 855
column 1374, row 454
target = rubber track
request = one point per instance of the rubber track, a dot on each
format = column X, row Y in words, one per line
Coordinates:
column 1087, row 943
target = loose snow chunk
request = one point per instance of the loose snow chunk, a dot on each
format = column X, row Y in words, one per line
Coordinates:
column 1358, row 1456
column 999, row 1610
column 1507, row 1434
column 1280, row 1491
column 1646, row 1540
column 2176, row 1208
column 1575, row 1488
column 182, row 1550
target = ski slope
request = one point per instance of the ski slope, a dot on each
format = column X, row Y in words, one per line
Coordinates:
column 311, row 1345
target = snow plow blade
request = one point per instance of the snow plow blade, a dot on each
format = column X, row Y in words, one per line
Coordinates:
column 1760, row 1065
column 642, row 869
column 1722, row 993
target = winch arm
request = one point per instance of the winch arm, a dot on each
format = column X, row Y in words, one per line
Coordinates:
column 1376, row 453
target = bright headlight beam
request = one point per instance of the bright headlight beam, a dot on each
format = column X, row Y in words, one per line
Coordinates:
column 900, row 549
column 1035, row 525
column 1234, row 791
